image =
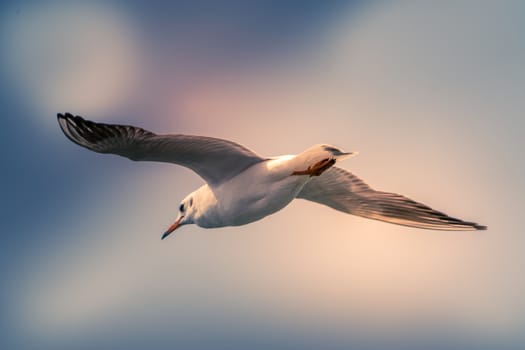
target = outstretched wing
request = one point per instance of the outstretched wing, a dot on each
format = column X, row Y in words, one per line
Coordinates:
column 343, row 191
column 215, row 160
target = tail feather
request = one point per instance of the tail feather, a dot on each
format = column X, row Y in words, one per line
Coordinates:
column 317, row 159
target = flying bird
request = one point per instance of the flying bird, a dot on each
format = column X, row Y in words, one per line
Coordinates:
column 242, row 187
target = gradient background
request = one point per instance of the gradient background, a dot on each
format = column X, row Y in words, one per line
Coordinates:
column 431, row 94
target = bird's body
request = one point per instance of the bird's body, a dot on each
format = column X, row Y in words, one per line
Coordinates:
column 243, row 187
column 257, row 192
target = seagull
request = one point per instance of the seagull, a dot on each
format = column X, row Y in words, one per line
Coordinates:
column 242, row 187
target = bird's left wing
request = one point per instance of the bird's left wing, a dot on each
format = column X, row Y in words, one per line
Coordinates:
column 343, row 191
column 215, row 160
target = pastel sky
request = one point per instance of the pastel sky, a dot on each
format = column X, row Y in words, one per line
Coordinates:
column 431, row 94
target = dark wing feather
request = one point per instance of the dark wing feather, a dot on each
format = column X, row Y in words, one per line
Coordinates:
column 343, row 191
column 215, row 160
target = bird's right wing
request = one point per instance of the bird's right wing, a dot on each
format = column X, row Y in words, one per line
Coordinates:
column 343, row 191
column 215, row 160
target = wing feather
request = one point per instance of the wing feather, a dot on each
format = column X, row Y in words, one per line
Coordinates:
column 215, row 160
column 343, row 191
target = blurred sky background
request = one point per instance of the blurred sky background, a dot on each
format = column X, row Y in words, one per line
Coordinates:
column 432, row 95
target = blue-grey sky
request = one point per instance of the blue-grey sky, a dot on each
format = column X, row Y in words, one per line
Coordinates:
column 431, row 95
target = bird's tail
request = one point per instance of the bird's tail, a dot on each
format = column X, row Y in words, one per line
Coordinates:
column 317, row 159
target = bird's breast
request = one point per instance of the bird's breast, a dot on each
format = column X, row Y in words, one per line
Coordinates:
column 259, row 191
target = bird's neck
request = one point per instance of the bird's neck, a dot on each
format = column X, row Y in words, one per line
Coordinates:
column 205, row 211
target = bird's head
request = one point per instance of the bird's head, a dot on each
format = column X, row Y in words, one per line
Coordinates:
column 185, row 216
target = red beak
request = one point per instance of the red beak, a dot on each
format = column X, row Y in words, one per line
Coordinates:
column 172, row 228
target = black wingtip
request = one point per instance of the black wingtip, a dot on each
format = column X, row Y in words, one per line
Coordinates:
column 480, row 227
column 65, row 115
column 164, row 235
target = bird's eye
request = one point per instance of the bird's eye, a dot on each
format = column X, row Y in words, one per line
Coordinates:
column 191, row 201
column 181, row 208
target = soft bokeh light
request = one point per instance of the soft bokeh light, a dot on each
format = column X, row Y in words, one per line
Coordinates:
column 71, row 55
column 435, row 112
